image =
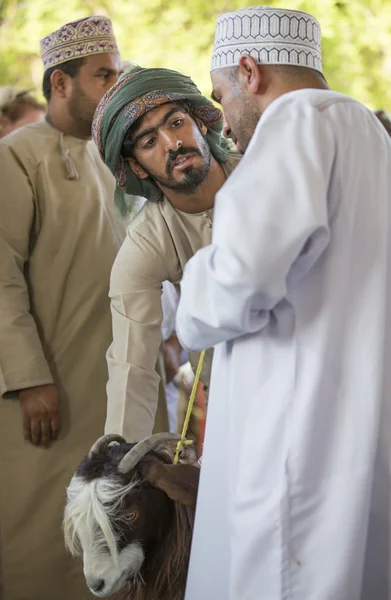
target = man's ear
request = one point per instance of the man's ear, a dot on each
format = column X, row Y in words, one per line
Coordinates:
column 179, row 482
column 201, row 125
column 250, row 75
column 60, row 83
column 137, row 168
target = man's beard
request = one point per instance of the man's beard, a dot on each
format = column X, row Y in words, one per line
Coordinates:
column 192, row 176
column 81, row 110
column 243, row 131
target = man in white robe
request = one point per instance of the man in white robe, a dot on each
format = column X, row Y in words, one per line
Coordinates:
column 294, row 292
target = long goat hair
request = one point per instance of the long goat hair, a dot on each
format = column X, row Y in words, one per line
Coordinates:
column 163, row 577
column 96, row 503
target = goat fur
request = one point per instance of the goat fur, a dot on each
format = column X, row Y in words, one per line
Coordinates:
column 164, row 571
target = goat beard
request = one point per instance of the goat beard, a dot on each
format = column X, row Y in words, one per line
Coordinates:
column 164, row 572
column 133, row 588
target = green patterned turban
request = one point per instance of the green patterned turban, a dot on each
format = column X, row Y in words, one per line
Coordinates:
column 135, row 93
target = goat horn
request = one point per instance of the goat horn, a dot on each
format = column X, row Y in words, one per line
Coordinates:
column 102, row 443
column 133, row 457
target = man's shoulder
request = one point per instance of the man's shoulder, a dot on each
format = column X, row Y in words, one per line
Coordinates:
column 149, row 223
column 146, row 216
column 320, row 101
column 32, row 140
column 144, row 250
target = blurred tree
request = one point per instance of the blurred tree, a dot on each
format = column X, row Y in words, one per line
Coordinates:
column 356, row 37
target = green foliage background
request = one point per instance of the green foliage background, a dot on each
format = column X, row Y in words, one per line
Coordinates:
column 179, row 34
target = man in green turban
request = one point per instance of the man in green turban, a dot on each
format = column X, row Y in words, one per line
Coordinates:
column 161, row 139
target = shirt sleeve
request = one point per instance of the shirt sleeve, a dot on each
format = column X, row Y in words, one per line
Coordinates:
column 135, row 291
column 270, row 227
column 170, row 301
column 22, row 360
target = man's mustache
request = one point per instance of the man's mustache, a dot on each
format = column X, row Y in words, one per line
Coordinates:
column 173, row 155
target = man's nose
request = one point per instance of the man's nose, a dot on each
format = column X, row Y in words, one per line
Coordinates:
column 226, row 130
column 171, row 141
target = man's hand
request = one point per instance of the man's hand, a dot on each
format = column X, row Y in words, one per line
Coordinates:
column 172, row 357
column 41, row 414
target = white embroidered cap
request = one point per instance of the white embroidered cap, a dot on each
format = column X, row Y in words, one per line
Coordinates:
column 92, row 35
column 273, row 36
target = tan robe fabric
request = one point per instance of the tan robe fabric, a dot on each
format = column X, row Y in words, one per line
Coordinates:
column 58, row 241
column 159, row 242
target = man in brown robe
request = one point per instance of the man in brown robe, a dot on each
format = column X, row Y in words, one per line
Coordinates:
column 161, row 138
column 58, row 240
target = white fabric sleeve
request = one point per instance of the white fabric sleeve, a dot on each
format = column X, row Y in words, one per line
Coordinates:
column 270, row 225
column 170, row 302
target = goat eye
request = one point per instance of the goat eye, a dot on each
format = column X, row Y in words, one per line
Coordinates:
column 132, row 516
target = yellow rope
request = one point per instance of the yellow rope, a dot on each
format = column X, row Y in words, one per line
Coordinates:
column 183, row 441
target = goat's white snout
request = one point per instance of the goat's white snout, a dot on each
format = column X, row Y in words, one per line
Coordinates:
column 104, row 577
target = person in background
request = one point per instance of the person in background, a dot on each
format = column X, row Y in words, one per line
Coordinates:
column 126, row 65
column 18, row 108
column 58, row 240
column 294, row 292
column 385, row 119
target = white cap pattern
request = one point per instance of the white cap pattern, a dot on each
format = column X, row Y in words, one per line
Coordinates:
column 270, row 35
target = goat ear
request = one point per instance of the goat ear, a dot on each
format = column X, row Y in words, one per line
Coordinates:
column 179, row 482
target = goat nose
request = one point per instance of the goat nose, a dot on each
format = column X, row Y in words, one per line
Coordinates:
column 96, row 585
